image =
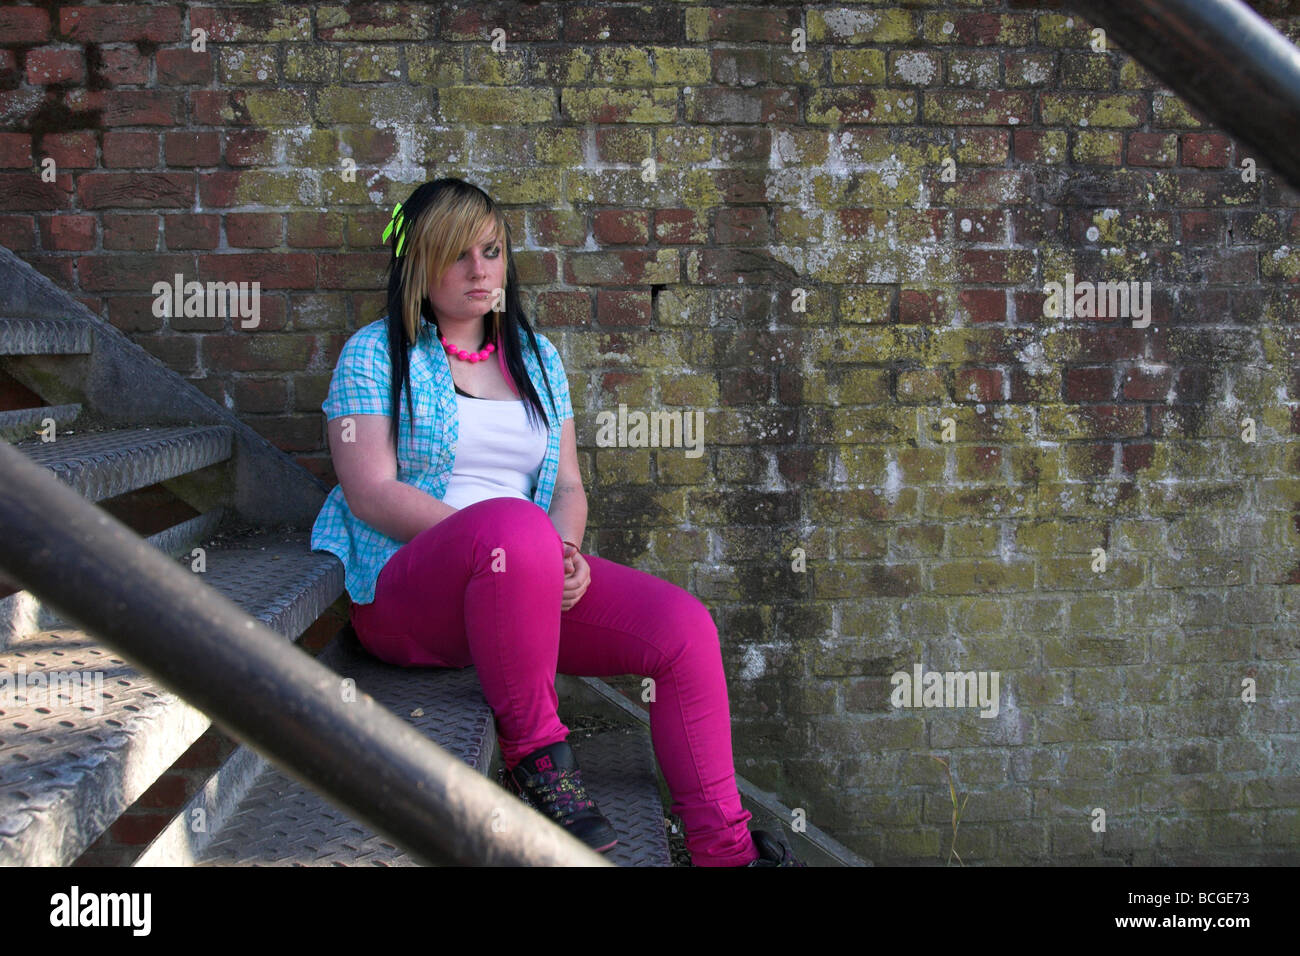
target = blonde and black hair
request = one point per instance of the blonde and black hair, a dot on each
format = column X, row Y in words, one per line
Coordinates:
column 438, row 221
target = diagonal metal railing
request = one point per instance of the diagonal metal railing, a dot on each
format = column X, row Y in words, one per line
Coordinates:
column 265, row 690
column 1224, row 59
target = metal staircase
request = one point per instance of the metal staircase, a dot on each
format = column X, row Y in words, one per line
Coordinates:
column 71, row 764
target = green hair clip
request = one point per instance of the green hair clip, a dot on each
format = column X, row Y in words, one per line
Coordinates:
column 395, row 223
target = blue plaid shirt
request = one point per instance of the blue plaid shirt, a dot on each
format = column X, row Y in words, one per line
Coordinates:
column 425, row 450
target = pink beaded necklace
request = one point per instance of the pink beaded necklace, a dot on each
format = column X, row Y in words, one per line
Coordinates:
column 460, row 353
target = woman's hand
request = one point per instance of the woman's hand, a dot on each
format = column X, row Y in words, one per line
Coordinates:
column 577, row 577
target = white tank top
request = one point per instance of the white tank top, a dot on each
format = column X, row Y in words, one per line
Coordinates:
column 498, row 453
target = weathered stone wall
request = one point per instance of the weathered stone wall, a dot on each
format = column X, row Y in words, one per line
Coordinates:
column 839, row 256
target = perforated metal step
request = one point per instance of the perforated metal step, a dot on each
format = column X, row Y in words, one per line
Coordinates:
column 71, row 763
column 99, row 465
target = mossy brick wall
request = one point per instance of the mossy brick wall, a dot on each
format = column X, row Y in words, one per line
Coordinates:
column 962, row 545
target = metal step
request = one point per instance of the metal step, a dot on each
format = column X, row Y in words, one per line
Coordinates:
column 21, row 336
column 70, row 765
column 101, row 465
column 274, row 820
column 262, row 817
column 20, row 424
column 23, row 613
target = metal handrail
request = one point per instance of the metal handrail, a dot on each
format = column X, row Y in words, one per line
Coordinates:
column 1224, row 59
column 264, row 689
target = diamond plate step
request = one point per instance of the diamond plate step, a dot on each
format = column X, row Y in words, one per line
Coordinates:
column 23, row 613
column 45, row 336
column 618, row 768
column 70, row 765
column 20, row 424
column 100, row 465
column 277, row 821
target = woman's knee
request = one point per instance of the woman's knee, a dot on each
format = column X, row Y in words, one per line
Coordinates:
column 518, row 532
column 688, row 626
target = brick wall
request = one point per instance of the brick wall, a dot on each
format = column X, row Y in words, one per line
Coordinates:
column 915, row 465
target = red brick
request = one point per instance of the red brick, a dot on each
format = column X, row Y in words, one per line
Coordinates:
column 131, row 233
column 74, row 150
column 253, row 230
column 217, row 190
column 134, row 150
column 24, row 25
column 133, row 313
column 1030, row 146
column 121, row 23
column 1090, row 384
column 22, row 191
column 18, row 233
column 615, row 308
column 258, row 352
column 984, row 305
column 985, row 225
column 184, row 67
column 989, row 266
column 249, row 147
column 1202, row 225
column 293, row 270
column 1146, row 385
column 186, row 148
column 193, row 231
column 370, row 147
column 557, row 309
column 977, row 385
column 261, row 395
column 1134, row 456
column 1114, row 421
column 69, row 233
column 677, row 226
column 732, row 24
column 621, row 227
column 130, row 273
column 353, row 270
column 917, row 307
column 978, row 29
column 1209, row 150
column 136, row 190
column 1144, row 149
column 46, row 66
column 1032, row 226
column 314, row 230
column 740, row 225
column 123, row 66
column 130, row 107
column 16, row 150
column 206, row 107
column 57, row 268
column 364, row 231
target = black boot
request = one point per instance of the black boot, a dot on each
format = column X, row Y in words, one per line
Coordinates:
column 771, row 851
column 548, row 780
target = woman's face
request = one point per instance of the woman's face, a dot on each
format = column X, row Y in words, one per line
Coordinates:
column 482, row 266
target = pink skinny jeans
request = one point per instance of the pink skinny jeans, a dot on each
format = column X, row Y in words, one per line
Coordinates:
column 440, row 603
